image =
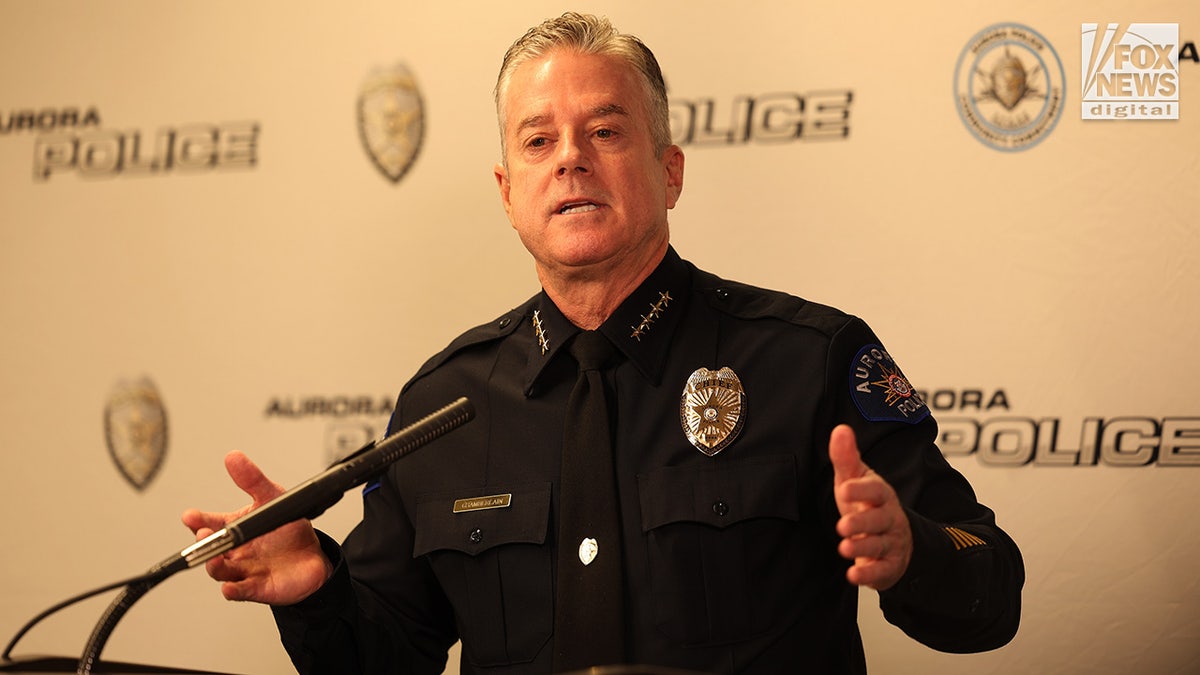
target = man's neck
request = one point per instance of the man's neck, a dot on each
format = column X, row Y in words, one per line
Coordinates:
column 588, row 297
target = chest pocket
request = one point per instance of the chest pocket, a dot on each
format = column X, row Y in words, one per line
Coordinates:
column 718, row 537
column 493, row 567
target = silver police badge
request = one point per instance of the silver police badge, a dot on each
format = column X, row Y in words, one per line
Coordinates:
column 135, row 426
column 712, row 409
column 391, row 119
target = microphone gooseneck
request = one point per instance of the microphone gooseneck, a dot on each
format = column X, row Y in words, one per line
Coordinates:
column 306, row 500
column 312, row 497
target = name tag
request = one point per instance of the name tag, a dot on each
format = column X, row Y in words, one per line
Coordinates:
column 482, row 503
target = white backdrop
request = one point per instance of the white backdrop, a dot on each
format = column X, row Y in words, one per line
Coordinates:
column 1056, row 282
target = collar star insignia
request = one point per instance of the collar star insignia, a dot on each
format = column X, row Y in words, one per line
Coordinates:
column 656, row 310
column 540, row 331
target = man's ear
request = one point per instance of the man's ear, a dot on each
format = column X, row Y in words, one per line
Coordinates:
column 673, row 167
column 501, row 174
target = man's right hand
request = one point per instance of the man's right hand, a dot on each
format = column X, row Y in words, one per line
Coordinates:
column 279, row 568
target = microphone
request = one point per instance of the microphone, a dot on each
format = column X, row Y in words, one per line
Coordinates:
column 312, row 497
column 307, row 500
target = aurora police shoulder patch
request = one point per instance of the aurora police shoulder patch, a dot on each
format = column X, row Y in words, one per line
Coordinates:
column 881, row 391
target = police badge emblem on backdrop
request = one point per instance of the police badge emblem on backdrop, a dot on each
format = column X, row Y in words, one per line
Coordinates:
column 391, row 119
column 1008, row 86
column 135, row 427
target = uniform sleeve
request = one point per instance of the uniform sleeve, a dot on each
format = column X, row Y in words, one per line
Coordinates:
column 962, row 590
column 381, row 611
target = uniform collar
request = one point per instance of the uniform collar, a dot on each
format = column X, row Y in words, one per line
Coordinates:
column 641, row 327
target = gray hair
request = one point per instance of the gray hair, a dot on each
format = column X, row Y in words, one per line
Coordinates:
column 588, row 34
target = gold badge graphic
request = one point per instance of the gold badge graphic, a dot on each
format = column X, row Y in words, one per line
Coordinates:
column 391, row 120
column 135, row 426
column 712, row 409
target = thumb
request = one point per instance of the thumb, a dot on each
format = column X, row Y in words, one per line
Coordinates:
column 844, row 455
column 247, row 476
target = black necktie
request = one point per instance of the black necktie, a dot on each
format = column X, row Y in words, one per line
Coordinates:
column 589, row 596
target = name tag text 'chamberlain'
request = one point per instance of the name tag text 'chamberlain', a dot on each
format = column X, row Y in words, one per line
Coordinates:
column 482, row 503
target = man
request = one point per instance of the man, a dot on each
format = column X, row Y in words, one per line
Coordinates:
column 739, row 504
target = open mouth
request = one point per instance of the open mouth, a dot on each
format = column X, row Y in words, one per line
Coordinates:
column 577, row 207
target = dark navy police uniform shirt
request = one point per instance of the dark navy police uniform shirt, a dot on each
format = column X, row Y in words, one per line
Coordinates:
column 731, row 560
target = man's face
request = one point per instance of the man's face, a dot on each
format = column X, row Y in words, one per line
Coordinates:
column 583, row 186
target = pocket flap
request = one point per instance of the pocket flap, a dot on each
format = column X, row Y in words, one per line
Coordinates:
column 486, row 517
column 720, row 494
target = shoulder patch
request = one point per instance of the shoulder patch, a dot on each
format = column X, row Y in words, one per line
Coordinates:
column 881, row 391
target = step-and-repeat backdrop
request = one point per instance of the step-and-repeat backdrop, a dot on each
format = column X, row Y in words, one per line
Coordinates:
column 244, row 225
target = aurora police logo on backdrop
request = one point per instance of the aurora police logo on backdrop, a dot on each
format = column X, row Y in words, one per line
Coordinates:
column 48, row 119
column 135, row 427
column 391, row 119
column 764, row 118
column 72, row 140
column 351, row 421
column 1130, row 71
column 980, row 422
column 1008, row 84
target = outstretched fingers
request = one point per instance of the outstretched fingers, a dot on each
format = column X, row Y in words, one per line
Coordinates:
column 875, row 531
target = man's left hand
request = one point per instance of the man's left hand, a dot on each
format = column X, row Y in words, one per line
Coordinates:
column 874, row 527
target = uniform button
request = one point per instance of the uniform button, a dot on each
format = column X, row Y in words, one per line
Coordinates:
column 720, row 508
column 722, row 293
column 476, row 535
column 504, row 322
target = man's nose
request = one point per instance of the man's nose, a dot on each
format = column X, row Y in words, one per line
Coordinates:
column 572, row 157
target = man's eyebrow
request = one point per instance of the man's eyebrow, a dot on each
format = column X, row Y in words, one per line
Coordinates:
column 610, row 109
column 599, row 111
column 531, row 121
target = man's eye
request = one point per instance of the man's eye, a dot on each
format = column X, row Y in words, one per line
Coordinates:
column 604, row 133
column 537, row 142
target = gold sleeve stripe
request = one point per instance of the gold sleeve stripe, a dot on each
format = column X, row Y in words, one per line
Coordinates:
column 963, row 539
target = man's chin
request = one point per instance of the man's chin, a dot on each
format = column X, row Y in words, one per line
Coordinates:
column 598, row 260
